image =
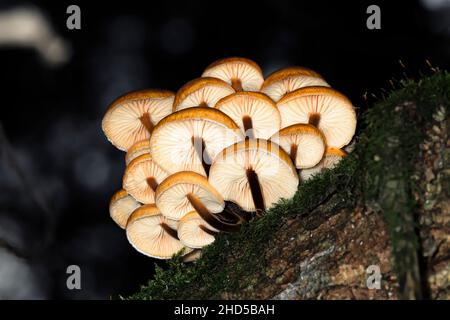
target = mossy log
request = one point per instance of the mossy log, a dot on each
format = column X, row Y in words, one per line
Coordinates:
column 385, row 205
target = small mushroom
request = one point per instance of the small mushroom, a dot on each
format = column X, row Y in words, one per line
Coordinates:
column 121, row 206
column 194, row 232
column 142, row 177
column 193, row 256
column 325, row 108
column 187, row 140
column 131, row 118
column 304, row 143
column 241, row 73
column 186, row 191
column 330, row 160
column 254, row 174
column 255, row 113
column 201, row 92
column 137, row 149
column 152, row 234
column 286, row 80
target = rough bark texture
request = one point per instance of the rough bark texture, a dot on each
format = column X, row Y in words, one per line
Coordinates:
column 433, row 195
column 385, row 205
column 326, row 261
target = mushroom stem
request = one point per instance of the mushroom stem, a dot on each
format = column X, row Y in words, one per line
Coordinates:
column 293, row 153
column 152, row 183
column 170, row 231
column 248, row 127
column 203, row 105
column 208, row 216
column 314, row 119
column 237, row 85
column 255, row 189
column 200, row 148
column 208, row 231
column 147, row 122
column 230, row 216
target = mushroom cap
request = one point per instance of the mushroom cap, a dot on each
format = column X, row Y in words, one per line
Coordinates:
column 171, row 142
column 136, row 178
column 276, row 173
column 260, row 108
column 193, row 256
column 172, row 195
column 308, row 141
column 201, row 92
column 337, row 114
column 121, row 206
column 123, row 124
column 137, row 149
column 236, row 68
column 146, row 234
column 192, row 233
column 289, row 79
column 330, row 159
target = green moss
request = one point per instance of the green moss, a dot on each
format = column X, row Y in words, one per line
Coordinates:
column 378, row 173
column 389, row 149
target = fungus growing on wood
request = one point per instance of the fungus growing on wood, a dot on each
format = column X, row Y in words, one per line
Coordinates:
column 325, row 108
column 142, row 177
column 255, row 113
column 137, row 149
column 183, row 191
column 187, row 191
column 254, row 174
column 152, row 234
column 304, row 143
column 192, row 256
column 330, row 159
column 194, row 231
column 286, row 80
column 121, row 206
column 201, row 92
column 219, row 153
column 189, row 139
column 131, row 118
column 241, row 73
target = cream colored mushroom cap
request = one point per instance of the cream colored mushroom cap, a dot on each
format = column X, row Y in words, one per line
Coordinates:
column 308, row 140
column 193, row 256
column 136, row 178
column 121, row 206
column 191, row 233
column 286, row 80
column 122, row 123
column 171, row 144
column 172, row 200
column 146, row 235
column 329, row 161
column 201, row 92
column 236, row 68
column 276, row 173
column 337, row 114
column 260, row 108
column 137, row 149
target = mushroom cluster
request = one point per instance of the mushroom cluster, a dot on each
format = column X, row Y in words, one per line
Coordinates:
column 228, row 137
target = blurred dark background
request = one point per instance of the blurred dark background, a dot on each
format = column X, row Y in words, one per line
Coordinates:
column 58, row 171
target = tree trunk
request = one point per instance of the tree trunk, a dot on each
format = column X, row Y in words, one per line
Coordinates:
column 375, row 227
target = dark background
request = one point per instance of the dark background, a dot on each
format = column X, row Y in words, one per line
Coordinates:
column 58, row 171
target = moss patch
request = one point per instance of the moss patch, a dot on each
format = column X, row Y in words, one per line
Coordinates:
column 377, row 174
